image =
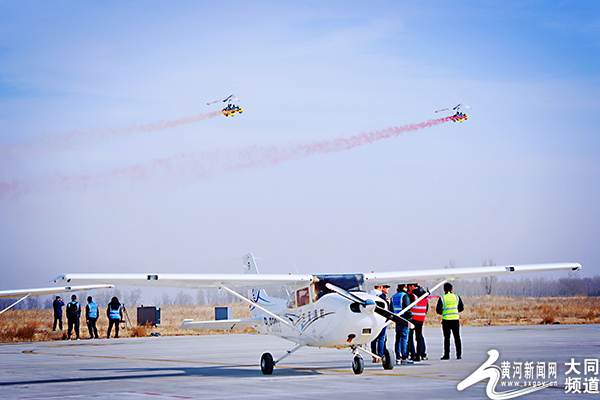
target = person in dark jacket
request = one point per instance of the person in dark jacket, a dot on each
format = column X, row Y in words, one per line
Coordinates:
column 58, row 304
column 73, row 316
column 381, row 339
column 91, row 316
column 376, row 292
column 114, row 312
column 448, row 306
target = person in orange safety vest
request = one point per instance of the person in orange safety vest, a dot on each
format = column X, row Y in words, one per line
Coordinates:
column 419, row 313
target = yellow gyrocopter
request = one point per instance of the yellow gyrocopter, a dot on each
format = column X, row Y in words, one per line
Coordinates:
column 231, row 108
column 459, row 115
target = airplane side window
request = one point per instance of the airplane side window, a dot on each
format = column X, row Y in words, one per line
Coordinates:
column 303, row 297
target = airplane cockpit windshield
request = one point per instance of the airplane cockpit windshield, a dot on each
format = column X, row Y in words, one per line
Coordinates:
column 349, row 282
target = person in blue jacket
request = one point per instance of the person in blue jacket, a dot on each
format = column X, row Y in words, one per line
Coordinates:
column 114, row 312
column 91, row 316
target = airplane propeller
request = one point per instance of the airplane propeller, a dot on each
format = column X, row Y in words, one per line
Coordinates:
column 369, row 305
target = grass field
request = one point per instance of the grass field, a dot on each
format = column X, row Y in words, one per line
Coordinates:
column 36, row 325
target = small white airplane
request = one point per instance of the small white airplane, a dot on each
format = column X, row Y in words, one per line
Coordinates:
column 325, row 310
column 9, row 294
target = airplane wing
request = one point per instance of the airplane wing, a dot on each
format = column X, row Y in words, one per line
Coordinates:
column 225, row 324
column 465, row 273
column 193, row 281
column 5, row 294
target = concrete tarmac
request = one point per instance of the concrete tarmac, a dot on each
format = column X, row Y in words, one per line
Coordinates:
column 227, row 366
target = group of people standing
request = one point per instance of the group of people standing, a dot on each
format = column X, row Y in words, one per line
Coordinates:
column 410, row 344
column 114, row 312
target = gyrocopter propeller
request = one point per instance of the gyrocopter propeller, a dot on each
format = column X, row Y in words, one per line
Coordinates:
column 231, row 108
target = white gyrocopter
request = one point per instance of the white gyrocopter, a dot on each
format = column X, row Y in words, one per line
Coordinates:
column 231, row 108
column 459, row 115
column 322, row 310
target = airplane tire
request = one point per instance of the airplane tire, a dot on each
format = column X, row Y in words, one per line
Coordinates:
column 267, row 364
column 358, row 365
column 388, row 360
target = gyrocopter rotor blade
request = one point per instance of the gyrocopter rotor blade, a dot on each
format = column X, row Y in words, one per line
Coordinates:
column 459, row 106
column 232, row 98
column 455, row 108
column 369, row 305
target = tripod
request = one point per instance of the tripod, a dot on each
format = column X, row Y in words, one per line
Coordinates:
column 126, row 321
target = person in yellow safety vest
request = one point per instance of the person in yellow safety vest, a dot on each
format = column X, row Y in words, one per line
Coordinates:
column 114, row 312
column 448, row 306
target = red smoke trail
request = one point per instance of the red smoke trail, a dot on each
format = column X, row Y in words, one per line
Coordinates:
column 105, row 134
column 253, row 156
column 204, row 165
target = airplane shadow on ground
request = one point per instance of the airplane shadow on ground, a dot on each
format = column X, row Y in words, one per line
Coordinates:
column 120, row 374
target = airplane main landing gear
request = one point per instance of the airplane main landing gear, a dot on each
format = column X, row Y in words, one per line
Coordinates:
column 358, row 364
column 267, row 364
column 387, row 359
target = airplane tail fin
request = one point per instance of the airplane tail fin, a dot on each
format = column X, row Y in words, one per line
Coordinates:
column 250, row 264
column 258, row 295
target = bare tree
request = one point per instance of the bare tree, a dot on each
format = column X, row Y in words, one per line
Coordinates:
column 201, row 296
column 133, row 297
column 33, row 303
column 183, row 298
column 489, row 281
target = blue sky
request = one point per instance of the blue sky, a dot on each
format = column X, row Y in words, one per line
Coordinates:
column 518, row 182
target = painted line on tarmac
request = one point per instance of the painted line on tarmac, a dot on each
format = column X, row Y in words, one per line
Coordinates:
column 320, row 370
column 334, row 370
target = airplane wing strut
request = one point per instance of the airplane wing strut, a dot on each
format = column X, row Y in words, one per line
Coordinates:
column 5, row 294
column 427, row 293
column 15, row 303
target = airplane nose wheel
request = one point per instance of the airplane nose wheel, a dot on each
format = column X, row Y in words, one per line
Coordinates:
column 358, row 364
column 267, row 364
